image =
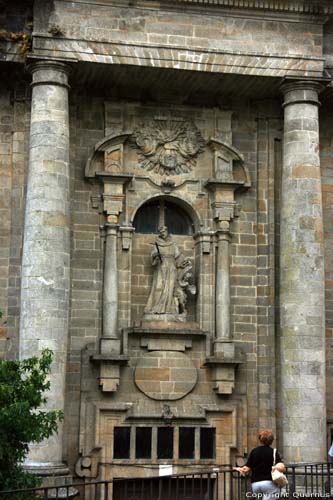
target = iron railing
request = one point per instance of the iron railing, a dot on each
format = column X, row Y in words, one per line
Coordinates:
column 305, row 480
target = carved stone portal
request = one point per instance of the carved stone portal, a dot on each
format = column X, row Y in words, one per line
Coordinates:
column 168, row 147
column 172, row 272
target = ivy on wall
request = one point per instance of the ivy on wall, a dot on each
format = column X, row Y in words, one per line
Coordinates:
column 21, row 38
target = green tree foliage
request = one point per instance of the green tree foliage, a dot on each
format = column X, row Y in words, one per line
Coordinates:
column 23, row 385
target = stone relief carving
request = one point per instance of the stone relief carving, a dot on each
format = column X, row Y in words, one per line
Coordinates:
column 171, row 280
column 168, row 147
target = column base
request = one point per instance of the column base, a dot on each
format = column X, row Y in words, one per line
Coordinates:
column 224, row 348
column 53, row 476
column 46, row 469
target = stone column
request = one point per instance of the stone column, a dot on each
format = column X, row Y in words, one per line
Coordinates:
column 109, row 355
column 46, row 246
column 302, row 328
column 204, row 259
column 223, row 285
column 110, row 341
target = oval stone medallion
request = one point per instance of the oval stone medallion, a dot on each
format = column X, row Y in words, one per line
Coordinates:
column 165, row 375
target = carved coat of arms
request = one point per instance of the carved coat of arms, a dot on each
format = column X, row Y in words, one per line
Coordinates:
column 168, row 147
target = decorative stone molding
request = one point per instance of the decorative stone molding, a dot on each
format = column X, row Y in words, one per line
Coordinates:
column 49, row 73
column 228, row 164
column 224, row 368
column 126, row 233
column 107, row 155
column 87, row 465
column 301, row 92
column 300, row 6
column 114, row 194
column 186, row 331
column 153, row 344
column 204, row 239
column 109, row 369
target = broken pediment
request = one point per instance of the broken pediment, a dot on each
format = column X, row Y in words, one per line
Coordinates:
column 228, row 164
column 108, row 155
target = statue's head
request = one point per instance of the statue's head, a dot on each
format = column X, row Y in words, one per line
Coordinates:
column 163, row 232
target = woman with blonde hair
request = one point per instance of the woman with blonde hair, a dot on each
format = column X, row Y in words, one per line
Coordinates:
column 260, row 463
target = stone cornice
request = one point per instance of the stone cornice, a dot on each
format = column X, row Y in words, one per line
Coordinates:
column 294, row 6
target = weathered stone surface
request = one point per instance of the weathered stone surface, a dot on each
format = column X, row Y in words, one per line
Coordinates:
column 231, row 43
column 302, row 282
column 46, row 246
column 130, row 72
column 173, row 378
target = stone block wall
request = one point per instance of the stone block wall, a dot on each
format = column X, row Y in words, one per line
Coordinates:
column 6, row 127
column 14, row 133
column 326, row 155
column 150, row 36
column 252, row 269
column 16, row 21
column 252, row 278
column 90, row 21
column 86, row 128
column 256, row 132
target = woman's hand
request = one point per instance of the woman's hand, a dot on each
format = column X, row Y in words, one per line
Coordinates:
column 242, row 470
column 280, row 467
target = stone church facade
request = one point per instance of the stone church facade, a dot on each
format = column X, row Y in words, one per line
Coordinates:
column 166, row 194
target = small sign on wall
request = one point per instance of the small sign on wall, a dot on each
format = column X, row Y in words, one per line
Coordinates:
column 165, row 470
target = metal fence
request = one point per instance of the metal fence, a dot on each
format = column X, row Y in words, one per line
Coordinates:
column 305, row 480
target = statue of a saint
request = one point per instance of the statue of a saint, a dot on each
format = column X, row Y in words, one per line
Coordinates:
column 172, row 272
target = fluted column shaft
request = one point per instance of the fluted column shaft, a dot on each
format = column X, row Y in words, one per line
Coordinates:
column 46, row 246
column 302, row 329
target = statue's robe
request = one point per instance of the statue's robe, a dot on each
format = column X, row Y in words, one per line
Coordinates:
column 162, row 299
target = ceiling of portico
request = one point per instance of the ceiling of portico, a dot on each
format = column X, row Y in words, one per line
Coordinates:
column 180, row 86
column 171, row 85
column 164, row 85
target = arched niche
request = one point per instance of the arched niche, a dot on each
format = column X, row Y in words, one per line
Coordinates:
column 146, row 219
column 178, row 203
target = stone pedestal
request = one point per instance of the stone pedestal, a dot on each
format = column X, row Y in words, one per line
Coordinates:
column 46, row 246
column 302, row 331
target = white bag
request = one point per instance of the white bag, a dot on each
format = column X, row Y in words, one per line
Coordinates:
column 278, row 477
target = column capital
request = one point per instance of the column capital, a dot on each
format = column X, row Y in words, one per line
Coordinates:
column 111, row 228
column 301, row 92
column 49, row 73
column 223, row 234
